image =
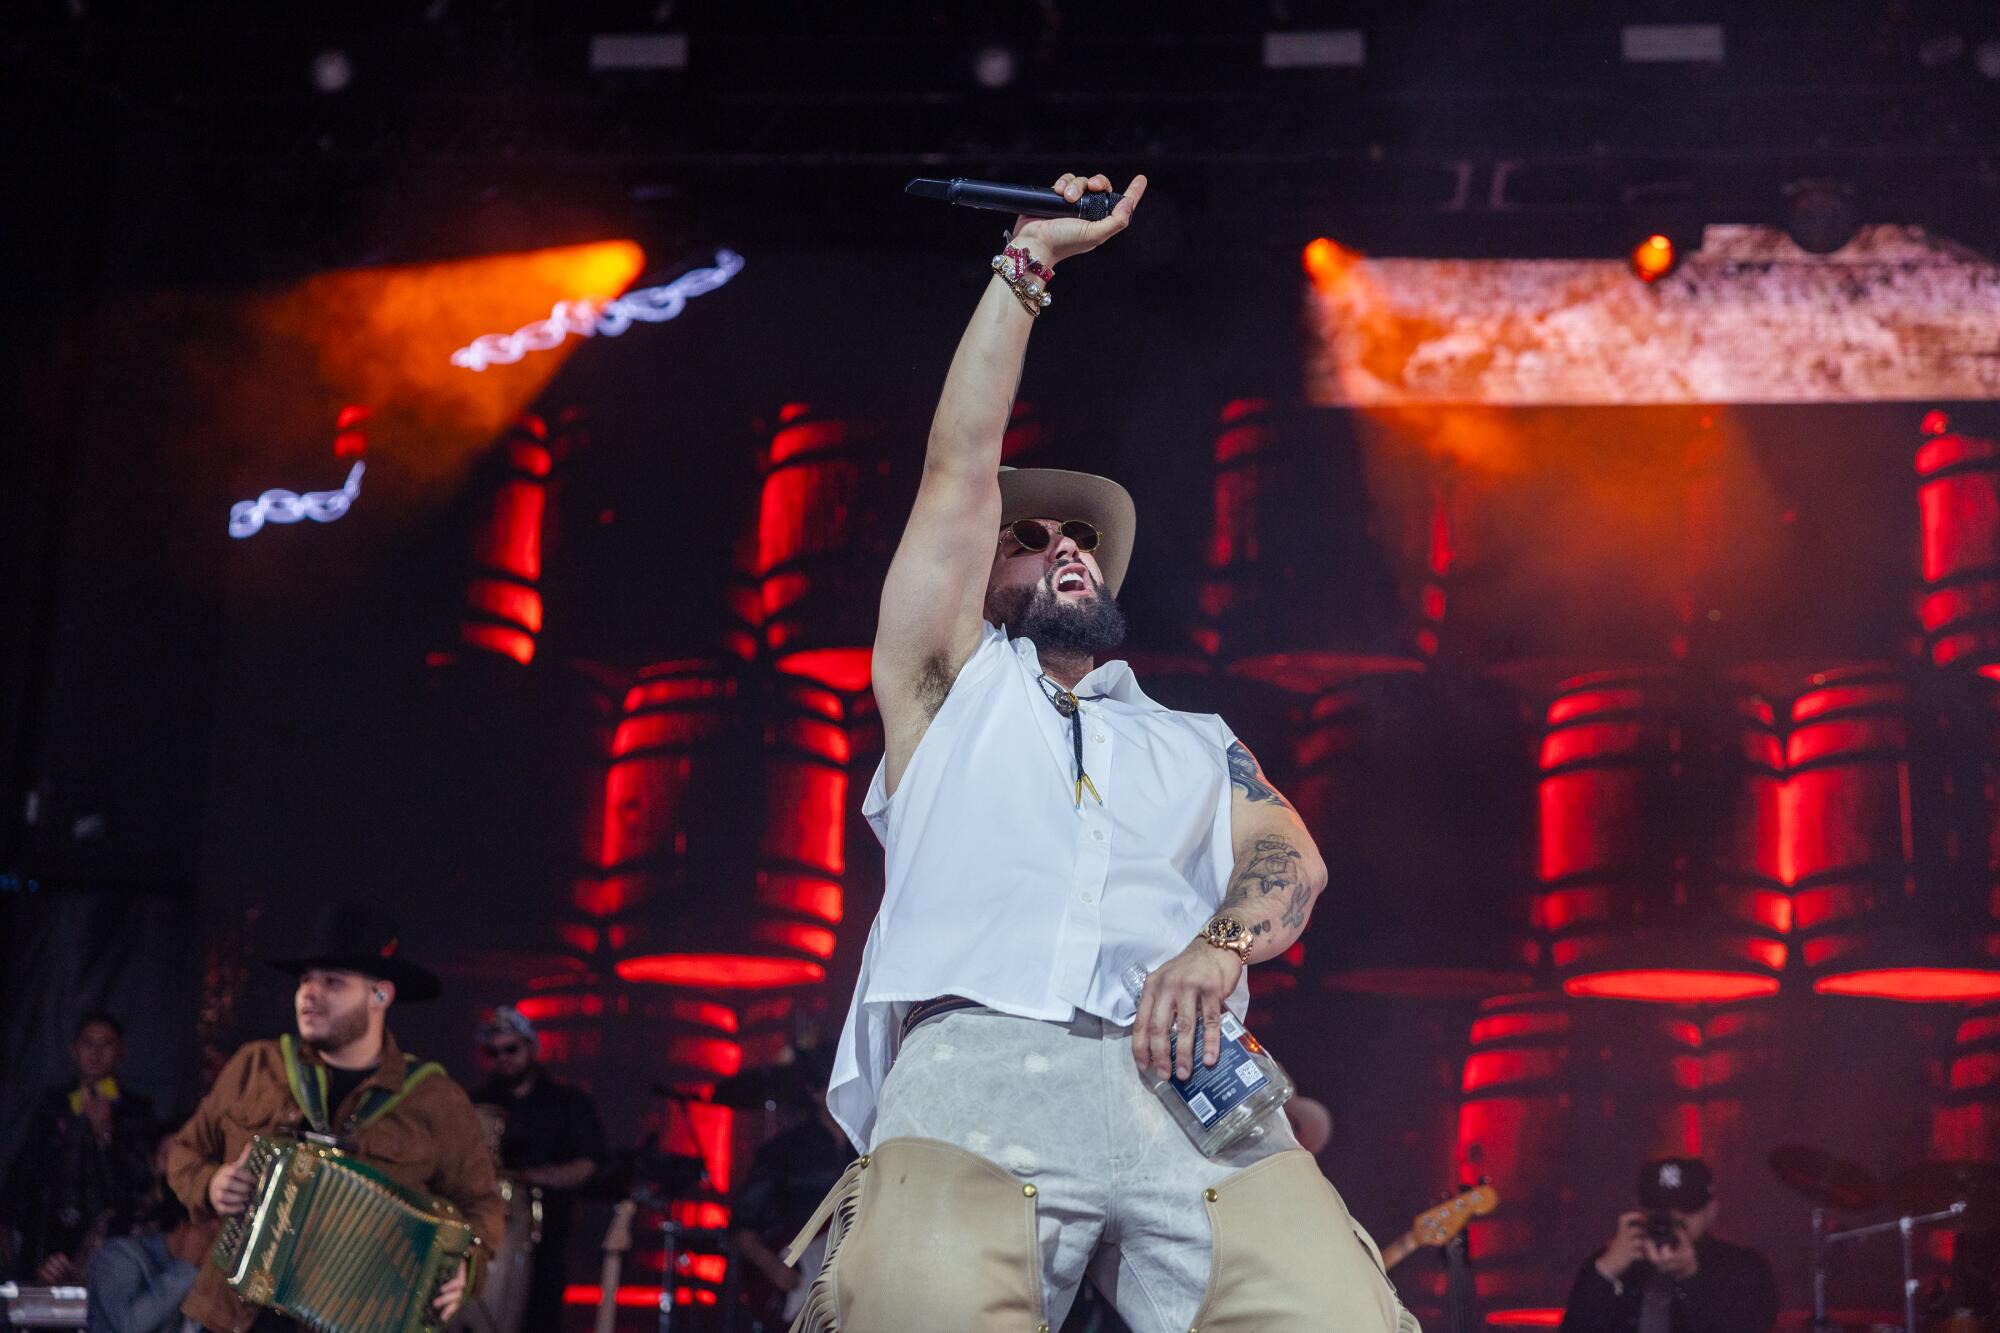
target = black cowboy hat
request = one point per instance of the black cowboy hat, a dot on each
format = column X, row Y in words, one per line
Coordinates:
column 354, row 937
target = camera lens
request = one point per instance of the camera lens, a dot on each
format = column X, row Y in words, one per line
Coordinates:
column 1660, row 1228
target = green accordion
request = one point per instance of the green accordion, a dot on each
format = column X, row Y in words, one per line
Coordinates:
column 336, row 1245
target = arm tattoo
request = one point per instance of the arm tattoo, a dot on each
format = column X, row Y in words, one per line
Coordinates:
column 1272, row 866
column 1248, row 778
column 1297, row 907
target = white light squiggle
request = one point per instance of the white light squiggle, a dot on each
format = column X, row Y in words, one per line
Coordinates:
column 279, row 506
column 586, row 319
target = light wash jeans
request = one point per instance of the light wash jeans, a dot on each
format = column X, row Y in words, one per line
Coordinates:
column 1064, row 1107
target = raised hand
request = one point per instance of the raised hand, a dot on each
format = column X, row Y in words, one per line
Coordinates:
column 1055, row 239
column 1627, row 1247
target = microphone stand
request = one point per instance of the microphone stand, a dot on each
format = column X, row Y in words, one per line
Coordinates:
column 1905, row 1226
column 670, row 1258
column 672, row 1233
column 1820, row 1323
column 670, row 1236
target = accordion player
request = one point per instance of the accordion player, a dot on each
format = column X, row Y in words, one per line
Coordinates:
column 370, row 1134
column 337, row 1245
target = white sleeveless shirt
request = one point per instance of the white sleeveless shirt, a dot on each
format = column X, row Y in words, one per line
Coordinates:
column 1002, row 889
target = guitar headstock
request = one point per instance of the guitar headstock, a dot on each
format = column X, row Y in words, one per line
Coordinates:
column 1437, row 1226
column 618, row 1236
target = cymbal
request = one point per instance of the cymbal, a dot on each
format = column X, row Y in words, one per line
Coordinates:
column 1930, row 1187
column 1824, row 1178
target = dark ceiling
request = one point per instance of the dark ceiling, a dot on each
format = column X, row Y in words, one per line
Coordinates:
column 192, row 142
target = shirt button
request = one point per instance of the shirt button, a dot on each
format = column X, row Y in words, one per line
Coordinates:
column 1098, row 737
column 1088, row 896
column 1098, row 834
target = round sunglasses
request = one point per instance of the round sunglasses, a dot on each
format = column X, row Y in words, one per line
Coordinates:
column 1035, row 534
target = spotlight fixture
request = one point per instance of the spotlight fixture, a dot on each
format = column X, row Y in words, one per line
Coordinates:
column 332, row 70
column 994, row 67
column 1672, row 43
column 1333, row 48
column 1820, row 216
column 1655, row 257
column 1940, row 49
column 1986, row 58
column 638, row 51
column 1662, row 225
column 1329, row 263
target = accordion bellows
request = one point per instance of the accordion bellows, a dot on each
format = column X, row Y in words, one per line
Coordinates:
column 336, row 1245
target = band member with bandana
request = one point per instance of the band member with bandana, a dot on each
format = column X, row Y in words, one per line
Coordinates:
column 1048, row 828
column 342, row 1074
column 553, row 1139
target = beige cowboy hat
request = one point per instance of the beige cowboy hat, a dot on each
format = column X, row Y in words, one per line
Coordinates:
column 1048, row 492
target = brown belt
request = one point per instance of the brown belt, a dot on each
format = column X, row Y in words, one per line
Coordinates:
column 935, row 1007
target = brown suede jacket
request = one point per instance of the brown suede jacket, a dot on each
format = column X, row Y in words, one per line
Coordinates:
column 431, row 1140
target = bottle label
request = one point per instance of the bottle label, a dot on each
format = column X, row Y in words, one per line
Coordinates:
column 1212, row 1091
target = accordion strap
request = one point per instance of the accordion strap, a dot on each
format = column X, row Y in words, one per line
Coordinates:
column 309, row 1090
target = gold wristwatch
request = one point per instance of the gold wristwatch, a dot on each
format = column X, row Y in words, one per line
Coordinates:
column 1228, row 933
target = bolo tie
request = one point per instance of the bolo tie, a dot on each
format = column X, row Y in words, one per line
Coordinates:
column 1065, row 703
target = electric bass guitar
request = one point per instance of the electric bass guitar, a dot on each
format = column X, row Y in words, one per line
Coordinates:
column 1437, row 1226
column 1444, row 1226
column 617, row 1240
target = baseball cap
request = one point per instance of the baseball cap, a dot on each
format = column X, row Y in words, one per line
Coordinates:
column 1684, row 1183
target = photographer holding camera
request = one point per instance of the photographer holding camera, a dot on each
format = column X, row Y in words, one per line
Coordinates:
column 1666, row 1272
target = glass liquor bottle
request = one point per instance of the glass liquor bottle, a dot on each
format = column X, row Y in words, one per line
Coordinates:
column 1227, row 1103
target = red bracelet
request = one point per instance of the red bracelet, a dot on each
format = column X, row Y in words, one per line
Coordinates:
column 1022, row 259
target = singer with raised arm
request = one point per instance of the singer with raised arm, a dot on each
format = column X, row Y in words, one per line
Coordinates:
column 1055, row 839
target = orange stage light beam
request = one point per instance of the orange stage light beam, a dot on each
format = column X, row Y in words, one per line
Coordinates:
column 385, row 336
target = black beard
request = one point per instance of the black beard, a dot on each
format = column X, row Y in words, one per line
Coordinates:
column 349, row 1027
column 1058, row 628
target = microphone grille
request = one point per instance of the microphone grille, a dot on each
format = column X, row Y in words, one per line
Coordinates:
column 1097, row 207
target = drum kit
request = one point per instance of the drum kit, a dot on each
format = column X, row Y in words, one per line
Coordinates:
column 1963, row 1197
column 654, row 1189
column 635, row 1179
column 502, row 1303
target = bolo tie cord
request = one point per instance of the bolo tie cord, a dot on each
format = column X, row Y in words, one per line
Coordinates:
column 1066, row 704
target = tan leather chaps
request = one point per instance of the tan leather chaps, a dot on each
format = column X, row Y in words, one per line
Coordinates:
column 926, row 1237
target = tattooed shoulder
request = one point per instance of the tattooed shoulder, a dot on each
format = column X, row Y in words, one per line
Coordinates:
column 1247, row 777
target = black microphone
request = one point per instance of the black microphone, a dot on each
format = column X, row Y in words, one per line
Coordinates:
column 1026, row 200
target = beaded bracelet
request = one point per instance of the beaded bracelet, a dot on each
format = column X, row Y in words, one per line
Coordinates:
column 1029, row 291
